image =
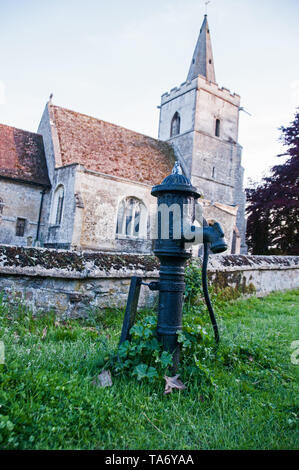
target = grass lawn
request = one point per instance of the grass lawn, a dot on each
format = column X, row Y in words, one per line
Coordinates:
column 48, row 399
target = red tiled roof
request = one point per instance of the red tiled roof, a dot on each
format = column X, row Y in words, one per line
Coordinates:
column 22, row 156
column 111, row 149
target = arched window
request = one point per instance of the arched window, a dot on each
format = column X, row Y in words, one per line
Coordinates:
column 175, row 125
column 131, row 218
column 217, row 128
column 57, row 206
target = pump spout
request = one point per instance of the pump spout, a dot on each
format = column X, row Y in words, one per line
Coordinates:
column 214, row 235
column 211, row 234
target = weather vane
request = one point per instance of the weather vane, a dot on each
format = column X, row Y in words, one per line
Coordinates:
column 206, row 4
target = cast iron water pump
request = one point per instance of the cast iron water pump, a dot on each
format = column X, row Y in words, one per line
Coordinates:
column 175, row 235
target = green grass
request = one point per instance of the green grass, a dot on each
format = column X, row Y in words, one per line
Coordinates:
column 48, row 400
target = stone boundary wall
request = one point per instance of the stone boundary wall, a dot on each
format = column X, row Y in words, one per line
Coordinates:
column 71, row 283
column 258, row 274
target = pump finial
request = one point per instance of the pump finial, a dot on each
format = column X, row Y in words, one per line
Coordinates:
column 177, row 169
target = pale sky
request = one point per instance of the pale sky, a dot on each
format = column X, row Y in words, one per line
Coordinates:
column 113, row 60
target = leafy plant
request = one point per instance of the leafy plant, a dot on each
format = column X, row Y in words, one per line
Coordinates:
column 143, row 355
column 193, row 291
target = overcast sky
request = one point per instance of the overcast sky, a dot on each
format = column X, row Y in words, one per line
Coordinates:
column 113, row 60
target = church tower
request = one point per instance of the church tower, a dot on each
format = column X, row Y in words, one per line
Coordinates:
column 201, row 121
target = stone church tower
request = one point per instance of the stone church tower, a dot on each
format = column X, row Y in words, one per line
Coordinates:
column 201, row 121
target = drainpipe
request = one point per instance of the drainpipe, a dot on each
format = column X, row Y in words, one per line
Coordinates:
column 40, row 215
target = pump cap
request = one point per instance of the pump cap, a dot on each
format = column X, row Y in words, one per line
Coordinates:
column 176, row 182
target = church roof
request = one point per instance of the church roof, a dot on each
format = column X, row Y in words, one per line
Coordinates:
column 22, row 156
column 110, row 149
column 202, row 60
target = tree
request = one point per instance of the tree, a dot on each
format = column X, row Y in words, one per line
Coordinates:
column 273, row 209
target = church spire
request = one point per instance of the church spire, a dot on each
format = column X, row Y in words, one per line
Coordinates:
column 202, row 61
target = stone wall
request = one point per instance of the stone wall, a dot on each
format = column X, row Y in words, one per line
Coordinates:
column 97, row 218
column 23, row 201
column 261, row 274
column 73, row 283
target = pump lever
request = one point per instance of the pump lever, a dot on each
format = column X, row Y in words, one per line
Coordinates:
column 131, row 308
column 152, row 285
column 132, row 304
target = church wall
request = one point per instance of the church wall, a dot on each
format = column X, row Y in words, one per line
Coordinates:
column 100, row 196
column 20, row 201
column 240, row 199
column 213, row 168
column 60, row 236
column 97, row 200
column 226, row 220
column 183, row 148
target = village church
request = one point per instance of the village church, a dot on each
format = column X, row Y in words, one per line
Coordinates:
column 78, row 181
